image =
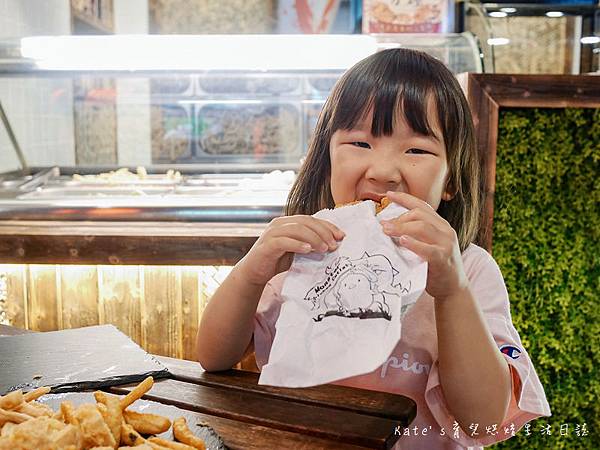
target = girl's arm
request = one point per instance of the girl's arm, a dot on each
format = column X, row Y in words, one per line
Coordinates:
column 227, row 323
column 474, row 375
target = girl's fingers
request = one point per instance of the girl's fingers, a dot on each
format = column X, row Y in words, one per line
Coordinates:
column 338, row 233
column 422, row 249
column 303, row 233
column 419, row 215
column 327, row 231
column 284, row 244
column 407, row 200
column 419, row 229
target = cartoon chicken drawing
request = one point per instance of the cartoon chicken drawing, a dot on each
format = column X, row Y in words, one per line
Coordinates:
column 358, row 288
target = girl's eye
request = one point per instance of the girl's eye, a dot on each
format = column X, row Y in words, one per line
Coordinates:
column 361, row 144
column 417, row 151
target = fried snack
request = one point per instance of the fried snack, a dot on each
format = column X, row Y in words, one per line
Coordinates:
column 36, row 393
column 379, row 206
column 11, row 400
column 12, row 416
column 147, row 423
column 169, row 444
column 183, row 434
column 139, row 447
column 34, row 409
column 68, row 413
column 95, row 431
column 137, row 392
column 40, row 433
column 7, row 429
column 112, row 413
column 129, row 436
column 69, row 435
column 356, row 202
column 105, row 425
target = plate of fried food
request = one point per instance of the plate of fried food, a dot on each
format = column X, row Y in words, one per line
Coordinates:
column 38, row 420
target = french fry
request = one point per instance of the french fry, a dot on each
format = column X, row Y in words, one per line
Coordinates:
column 26, row 424
column 36, row 393
column 137, row 392
column 34, row 409
column 183, row 434
column 7, row 429
column 111, row 412
column 139, row 447
column 12, row 416
column 11, row 400
column 129, row 436
column 68, row 413
column 170, row 444
column 146, row 423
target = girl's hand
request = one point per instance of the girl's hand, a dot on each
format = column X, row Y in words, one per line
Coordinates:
column 427, row 234
column 273, row 252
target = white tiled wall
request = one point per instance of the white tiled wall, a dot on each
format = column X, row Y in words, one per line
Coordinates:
column 40, row 109
column 133, row 94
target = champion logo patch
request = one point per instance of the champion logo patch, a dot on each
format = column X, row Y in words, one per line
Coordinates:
column 511, row 351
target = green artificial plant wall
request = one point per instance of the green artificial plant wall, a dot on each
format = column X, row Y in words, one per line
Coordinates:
column 546, row 240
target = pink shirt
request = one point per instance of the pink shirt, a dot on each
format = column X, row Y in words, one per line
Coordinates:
column 412, row 368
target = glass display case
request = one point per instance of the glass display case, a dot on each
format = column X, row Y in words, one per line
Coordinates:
column 541, row 37
column 202, row 128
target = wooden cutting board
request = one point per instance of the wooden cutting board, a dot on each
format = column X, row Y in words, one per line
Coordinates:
column 72, row 360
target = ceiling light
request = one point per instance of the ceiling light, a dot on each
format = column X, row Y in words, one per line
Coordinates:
column 590, row 40
column 498, row 41
column 198, row 52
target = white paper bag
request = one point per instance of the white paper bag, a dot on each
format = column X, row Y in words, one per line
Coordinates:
column 342, row 310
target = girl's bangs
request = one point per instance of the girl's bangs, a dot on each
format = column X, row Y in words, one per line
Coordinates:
column 406, row 92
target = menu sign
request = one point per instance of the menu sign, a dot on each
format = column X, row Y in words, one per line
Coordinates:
column 405, row 16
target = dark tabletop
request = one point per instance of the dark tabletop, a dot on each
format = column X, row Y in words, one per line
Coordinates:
column 250, row 416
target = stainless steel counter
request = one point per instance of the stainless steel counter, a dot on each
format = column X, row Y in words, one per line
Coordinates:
column 59, row 194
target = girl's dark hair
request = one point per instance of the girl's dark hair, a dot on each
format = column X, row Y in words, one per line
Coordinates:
column 391, row 82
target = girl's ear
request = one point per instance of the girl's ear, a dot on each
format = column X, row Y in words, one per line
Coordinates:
column 447, row 196
column 450, row 191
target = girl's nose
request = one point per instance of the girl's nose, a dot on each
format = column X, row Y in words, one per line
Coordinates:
column 383, row 170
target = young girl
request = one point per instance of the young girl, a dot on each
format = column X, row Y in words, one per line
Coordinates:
column 398, row 125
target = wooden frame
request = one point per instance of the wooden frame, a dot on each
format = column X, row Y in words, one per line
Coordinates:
column 157, row 243
column 487, row 93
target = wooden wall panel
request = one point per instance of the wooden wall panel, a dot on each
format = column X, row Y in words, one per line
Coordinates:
column 159, row 307
column 16, row 290
column 119, row 299
column 78, row 292
column 190, row 307
column 161, row 311
column 42, row 299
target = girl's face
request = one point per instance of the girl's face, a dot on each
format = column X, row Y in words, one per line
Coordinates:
column 366, row 167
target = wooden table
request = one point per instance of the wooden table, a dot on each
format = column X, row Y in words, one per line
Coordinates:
column 250, row 416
